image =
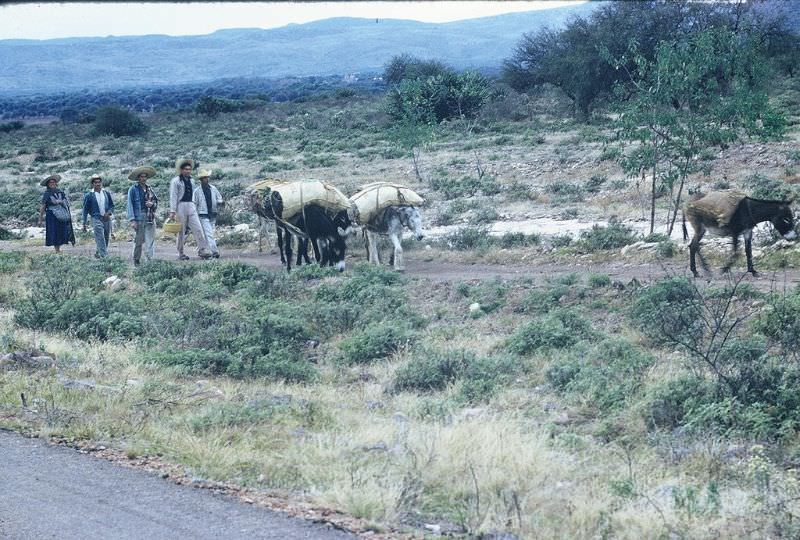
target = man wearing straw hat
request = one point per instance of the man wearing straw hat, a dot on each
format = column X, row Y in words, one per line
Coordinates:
column 208, row 199
column 181, row 205
column 142, row 203
column 99, row 204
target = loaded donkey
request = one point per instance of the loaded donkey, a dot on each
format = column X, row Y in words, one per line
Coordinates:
column 385, row 209
column 732, row 213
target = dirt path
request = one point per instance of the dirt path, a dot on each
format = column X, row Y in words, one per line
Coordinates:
column 446, row 271
column 55, row 492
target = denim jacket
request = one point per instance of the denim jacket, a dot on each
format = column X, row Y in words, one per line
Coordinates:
column 90, row 206
column 136, row 208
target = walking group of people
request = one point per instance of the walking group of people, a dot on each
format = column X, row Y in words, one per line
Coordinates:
column 194, row 206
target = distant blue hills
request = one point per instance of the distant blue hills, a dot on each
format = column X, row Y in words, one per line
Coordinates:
column 338, row 46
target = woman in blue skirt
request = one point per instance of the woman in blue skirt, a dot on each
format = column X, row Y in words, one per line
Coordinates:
column 58, row 224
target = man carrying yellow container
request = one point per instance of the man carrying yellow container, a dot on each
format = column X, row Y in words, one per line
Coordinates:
column 181, row 205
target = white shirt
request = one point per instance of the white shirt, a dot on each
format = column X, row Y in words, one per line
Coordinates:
column 101, row 201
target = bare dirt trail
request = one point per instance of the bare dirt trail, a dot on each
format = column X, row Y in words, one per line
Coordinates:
column 54, row 492
column 418, row 267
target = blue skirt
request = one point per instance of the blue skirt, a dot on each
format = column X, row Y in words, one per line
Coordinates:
column 57, row 233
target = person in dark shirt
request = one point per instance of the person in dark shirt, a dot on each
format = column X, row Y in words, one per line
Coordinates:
column 99, row 204
column 182, row 207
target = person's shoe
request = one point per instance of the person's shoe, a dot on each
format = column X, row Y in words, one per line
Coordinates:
column 204, row 254
column 215, row 255
column 183, row 257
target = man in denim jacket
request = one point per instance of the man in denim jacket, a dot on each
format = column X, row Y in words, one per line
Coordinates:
column 141, row 209
column 99, row 204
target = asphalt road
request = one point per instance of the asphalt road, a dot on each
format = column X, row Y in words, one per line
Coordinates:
column 49, row 491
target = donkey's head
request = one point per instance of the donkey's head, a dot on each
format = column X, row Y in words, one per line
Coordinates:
column 410, row 218
column 783, row 220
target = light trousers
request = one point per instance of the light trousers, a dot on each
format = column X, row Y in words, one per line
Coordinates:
column 145, row 237
column 187, row 215
column 102, row 234
column 209, row 224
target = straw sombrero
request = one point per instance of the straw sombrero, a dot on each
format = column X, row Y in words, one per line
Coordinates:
column 56, row 177
column 183, row 161
column 203, row 173
column 91, row 178
column 134, row 176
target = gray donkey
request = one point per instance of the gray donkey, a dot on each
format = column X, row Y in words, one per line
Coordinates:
column 390, row 222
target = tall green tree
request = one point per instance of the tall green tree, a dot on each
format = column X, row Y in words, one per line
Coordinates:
column 705, row 90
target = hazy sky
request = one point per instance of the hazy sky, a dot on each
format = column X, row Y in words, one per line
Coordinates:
column 49, row 20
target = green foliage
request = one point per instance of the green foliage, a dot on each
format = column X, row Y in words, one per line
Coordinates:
column 608, row 375
column 559, row 329
column 193, row 361
column 212, row 106
column 374, row 342
column 511, row 240
column 11, row 261
column 439, row 97
column 20, row 206
column 279, row 364
column 615, row 235
column 565, row 192
column 466, row 186
column 118, row 122
column 8, row 127
column 597, row 281
column 467, row 238
column 407, row 67
column 231, row 274
column 158, row 271
column 430, row 370
column 762, row 187
column 666, row 309
column 276, row 410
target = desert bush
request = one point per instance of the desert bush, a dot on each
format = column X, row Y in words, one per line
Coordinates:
column 118, row 122
column 597, row 281
column 762, row 187
column 485, row 375
column 193, row 361
column 11, row 261
column 20, row 206
column 157, row 271
column 467, row 238
column 780, row 322
column 512, row 240
column 560, row 329
column 543, row 300
column 607, row 375
column 275, row 410
column 466, row 186
column 8, row 127
column 279, row 364
column 615, row 235
column 490, row 295
column 565, row 192
column 595, row 183
column 231, row 274
column 374, row 342
column 430, row 370
column 518, row 191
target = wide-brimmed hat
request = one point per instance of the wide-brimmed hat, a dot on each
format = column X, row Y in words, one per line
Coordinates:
column 183, row 161
column 56, row 177
column 134, row 176
column 95, row 176
column 204, row 173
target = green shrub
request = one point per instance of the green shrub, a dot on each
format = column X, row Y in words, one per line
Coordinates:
column 607, row 374
column 430, row 370
column 468, row 238
column 541, row 301
column 517, row 239
column 597, row 281
column 118, row 122
column 231, row 274
column 666, row 309
column 615, row 235
column 11, row 261
column 671, row 401
column 560, row 329
column 762, row 187
column 193, row 361
column 484, row 376
column 466, row 186
column 280, row 364
column 374, row 342
column 157, row 271
column 780, row 322
column 20, row 206
column 595, row 183
column 566, row 192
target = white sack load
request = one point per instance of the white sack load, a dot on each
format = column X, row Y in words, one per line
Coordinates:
column 376, row 196
column 295, row 195
column 717, row 205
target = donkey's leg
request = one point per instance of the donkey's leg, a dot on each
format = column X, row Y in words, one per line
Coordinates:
column 734, row 254
column 287, row 246
column 399, row 263
column 279, row 230
column 374, row 254
column 694, row 250
column 748, row 251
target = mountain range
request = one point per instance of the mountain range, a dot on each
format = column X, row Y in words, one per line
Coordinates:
column 337, row 46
